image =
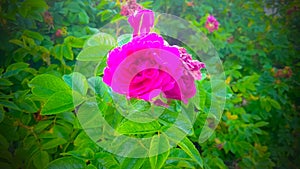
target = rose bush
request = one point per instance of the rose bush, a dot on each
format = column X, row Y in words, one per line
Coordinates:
column 258, row 42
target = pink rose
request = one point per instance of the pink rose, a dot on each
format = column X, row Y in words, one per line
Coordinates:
column 146, row 67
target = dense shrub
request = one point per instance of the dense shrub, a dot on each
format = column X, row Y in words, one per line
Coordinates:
column 257, row 41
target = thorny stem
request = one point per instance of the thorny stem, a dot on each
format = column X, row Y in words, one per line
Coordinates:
column 118, row 29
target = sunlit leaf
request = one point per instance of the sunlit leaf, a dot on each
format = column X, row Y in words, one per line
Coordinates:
column 46, row 85
column 67, row 163
column 61, row 102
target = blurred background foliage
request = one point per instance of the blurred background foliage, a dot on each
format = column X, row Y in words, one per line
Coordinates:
column 258, row 42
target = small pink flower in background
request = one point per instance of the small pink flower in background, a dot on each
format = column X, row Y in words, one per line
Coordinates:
column 130, row 7
column 211, row 23
column 125, row 10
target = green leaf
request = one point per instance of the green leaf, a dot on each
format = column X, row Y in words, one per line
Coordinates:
column 42, row 125
column 264, row 104
column 46, row 85
column 49, row 143
column 177, row 154
column 41, row 159
column 131, row 127
column 83, row 140
column 23, row 11
column 187, row 146
column 27, row 105
column 16, row 66
column 101, row 39
column 243, row 147
column 123, row 39
column 67, row 52
column 61, row 130
column 15, row 69
column 90, row 30
column 139, row 105
column 158, row 145
column 261, row 124
column 5, row 82
column 57, row 51
column 274, row 103
column 84, row 154
column 17, row 42
column 179, row 163
column 74, row 42
column 9, row 104
column 3, row 96
column 67, row 163
column 27, row 7
column 61, row 102
column 74, row 7
column 77, row 82
column 106, row 14
column 67, row 117
column 83, row 17
column 34, row 35
column 99, row 87
column 202, row 95
column 132, row 163
column 93, row 53
column 218, row 162
column 106, row 160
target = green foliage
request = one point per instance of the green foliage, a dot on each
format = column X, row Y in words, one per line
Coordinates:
column 46, row 85
column 41, row 94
